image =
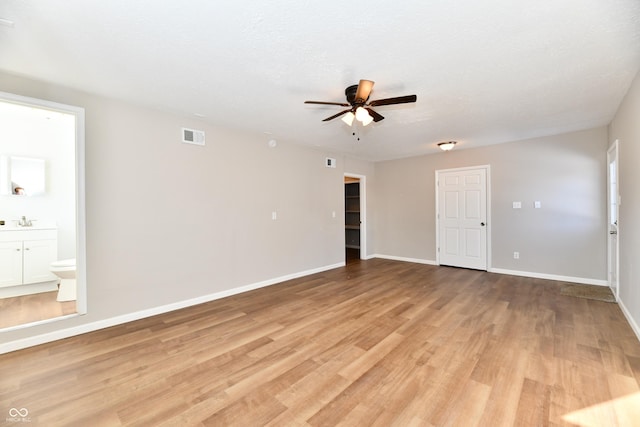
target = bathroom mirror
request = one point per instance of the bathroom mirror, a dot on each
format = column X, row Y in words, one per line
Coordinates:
column 43, row 145
column 25, row 176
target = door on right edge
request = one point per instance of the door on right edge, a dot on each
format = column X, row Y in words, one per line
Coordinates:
column 462, row 218
column 613, row 199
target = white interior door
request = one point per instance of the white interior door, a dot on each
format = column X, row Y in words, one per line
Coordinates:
column 462, row 218
column 613, row 200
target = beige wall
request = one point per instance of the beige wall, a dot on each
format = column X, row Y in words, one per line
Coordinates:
column 566, row 173
column 168, row 222
column 626, row 128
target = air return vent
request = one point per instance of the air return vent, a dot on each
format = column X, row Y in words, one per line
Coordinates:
column 192, row 136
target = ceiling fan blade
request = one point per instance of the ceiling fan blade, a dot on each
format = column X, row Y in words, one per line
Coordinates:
column 397, row 100
column 376, row 117
column 337, row 115
column 342, row 104
column 364, row 90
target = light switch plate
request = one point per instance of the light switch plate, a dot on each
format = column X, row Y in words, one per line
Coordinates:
column 517, row 205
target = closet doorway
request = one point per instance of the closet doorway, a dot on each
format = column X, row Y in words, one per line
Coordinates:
column 354, row 217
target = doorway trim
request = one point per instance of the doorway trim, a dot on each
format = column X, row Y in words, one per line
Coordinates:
column 487, row 169
column 613, row 267
column 81, row 270
column 363, row 211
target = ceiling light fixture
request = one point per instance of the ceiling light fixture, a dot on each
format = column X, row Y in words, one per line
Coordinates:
column 368, row 119
column 362, row 115
column 447, row 146
column 348, row 118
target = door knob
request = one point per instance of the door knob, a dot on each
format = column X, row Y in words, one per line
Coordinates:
column 613, row 232
column 482, row 224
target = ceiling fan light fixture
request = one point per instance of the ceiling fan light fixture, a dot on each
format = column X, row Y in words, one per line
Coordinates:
column 348, row 118
column 359, row 105
column 447, row 145
column 362, row 114
column 367, row 120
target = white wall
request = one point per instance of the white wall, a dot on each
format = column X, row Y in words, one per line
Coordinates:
column 566, row 173
column 169, row 222
column 626, row 128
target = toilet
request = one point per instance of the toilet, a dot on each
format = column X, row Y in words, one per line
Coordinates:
column 66, row 270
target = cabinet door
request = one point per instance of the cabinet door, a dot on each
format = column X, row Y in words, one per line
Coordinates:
column 38, row 256
column 10, row 263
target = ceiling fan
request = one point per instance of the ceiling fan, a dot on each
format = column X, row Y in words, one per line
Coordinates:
column 357, row 97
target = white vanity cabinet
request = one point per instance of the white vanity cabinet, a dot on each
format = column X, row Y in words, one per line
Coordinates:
column 10, row 263
column 26, row 255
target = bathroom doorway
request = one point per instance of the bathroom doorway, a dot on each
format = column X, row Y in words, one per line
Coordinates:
column 45, row 226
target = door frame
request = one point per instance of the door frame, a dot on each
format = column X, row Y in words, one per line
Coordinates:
column 613, row 153
column 363, row 211
column 487, row 169
column 79, row 144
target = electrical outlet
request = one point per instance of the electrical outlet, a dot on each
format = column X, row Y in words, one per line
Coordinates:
column 516, row 255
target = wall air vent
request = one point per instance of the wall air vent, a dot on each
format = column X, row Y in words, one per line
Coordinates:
column 192, row 136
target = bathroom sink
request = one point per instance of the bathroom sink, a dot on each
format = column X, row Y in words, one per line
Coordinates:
column 12, row 225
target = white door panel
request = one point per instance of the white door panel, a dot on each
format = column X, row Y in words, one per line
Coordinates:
column 613, row 198
column 452, row 240
column 462, row 217
column 452, row 207
column 472, row 204
column 473, row 241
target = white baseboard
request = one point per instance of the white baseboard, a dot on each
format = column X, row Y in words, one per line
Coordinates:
column 22, row 290
column 405, row 259
column 630, row 319
column 129, row 317
column 570, row 279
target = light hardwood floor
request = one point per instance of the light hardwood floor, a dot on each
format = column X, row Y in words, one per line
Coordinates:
column 377, row 343
column 32, row 308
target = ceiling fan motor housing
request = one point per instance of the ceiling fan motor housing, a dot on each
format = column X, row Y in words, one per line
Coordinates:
column 350, row 92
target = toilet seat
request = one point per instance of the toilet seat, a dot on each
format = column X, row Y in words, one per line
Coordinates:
column 64, row 264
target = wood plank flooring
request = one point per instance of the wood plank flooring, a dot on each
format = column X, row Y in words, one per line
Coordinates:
column 32, row 308
column 377, row 343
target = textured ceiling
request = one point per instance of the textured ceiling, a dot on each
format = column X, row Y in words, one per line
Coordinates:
column 485, row 72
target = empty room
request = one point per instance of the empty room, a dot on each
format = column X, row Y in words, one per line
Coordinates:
column 319, row 214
